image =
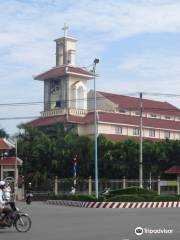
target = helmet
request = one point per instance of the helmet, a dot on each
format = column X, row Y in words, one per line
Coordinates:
column 2, row 183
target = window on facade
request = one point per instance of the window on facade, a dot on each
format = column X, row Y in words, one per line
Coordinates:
column 136, row 131
column 167, row 117
column 122, row 111
column 153, row 115
column 58, row 104
column 118, row 130
column 152, row 132
column 167, row 134
column 137, row 113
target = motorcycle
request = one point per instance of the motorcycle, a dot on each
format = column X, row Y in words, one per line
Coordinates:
column 29, row 198
column 21, row 221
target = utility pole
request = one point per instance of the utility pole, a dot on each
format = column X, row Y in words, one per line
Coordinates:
column 16, row 172
column 140, row 143
column 96, row 61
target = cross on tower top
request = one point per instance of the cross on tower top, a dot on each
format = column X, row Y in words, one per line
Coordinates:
column 65, row 28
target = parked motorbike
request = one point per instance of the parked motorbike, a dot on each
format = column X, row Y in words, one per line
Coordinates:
column 29, row 197
column 21, row 221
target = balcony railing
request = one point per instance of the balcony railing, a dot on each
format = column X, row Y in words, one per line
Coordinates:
column 62, row 111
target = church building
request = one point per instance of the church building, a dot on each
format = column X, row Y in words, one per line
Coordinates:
column 67, row 100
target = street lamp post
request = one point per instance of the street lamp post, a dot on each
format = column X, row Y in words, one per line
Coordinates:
column 96, row 61
column 141, row 143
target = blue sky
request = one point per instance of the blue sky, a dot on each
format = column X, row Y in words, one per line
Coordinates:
column 137, row 41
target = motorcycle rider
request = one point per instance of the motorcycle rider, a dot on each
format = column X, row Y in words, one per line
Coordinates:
column 7, row 192
column 3, row 209
column 29, row 193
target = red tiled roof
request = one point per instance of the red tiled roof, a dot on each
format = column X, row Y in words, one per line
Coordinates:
column 133, row 103
column 173, row 170
column 45, row 121
column 5, row 145
column 135, row 120
column 62, row 70
column 10, row 161
column 107, row 117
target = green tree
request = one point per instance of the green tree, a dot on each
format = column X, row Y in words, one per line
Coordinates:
column 49, row 151
column 3, row 133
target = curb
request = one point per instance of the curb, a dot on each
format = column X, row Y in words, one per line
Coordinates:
column 119, row 205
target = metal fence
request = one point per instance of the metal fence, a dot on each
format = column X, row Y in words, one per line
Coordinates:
column 87, row 186
column 82, row 186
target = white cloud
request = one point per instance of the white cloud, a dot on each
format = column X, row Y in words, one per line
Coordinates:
column 28, row 28
column 26, row 24
column 153, row 66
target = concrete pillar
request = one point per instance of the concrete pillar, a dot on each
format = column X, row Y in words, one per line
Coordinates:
column 150, row 181
column 56, row 186
column 124, row 182
column 1, row 173
column 90, row 185
column 23, row 190
column 159, row 185
column 178, row 184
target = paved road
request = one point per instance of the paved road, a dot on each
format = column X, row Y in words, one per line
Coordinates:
column 54, row 223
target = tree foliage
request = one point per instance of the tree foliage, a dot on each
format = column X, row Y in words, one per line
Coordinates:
column 49, row 151
column 3, row 133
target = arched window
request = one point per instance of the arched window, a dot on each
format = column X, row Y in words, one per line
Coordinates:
column 73, row 97
column 80, row 97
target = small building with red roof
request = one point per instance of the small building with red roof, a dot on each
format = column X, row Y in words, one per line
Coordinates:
column 9, row 163
column 67, row 100
column 175, row 170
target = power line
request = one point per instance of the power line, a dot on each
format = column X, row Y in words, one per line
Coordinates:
column 49, row 102
column 18, row 118
column 87, row 99
column 153, row 109
column 120, row 109
column 161, row 94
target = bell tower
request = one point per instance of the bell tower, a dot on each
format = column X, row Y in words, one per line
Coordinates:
column 65, row 85
column 65, row 49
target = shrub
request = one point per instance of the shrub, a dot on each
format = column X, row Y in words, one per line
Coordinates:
column 76, row 197
column 165, row 198
column 126, row 198
column 130, row 190
column 118, row 198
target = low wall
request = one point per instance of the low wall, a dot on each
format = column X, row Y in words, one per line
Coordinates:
column 114, row 204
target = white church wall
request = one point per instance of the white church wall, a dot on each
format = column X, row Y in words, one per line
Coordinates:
column 101, row 102
column 118, row 129
column 46, row 95
column 177, row 135
column 74, row 100
column 111, row 129
column 86, row 129
column 71, row 50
